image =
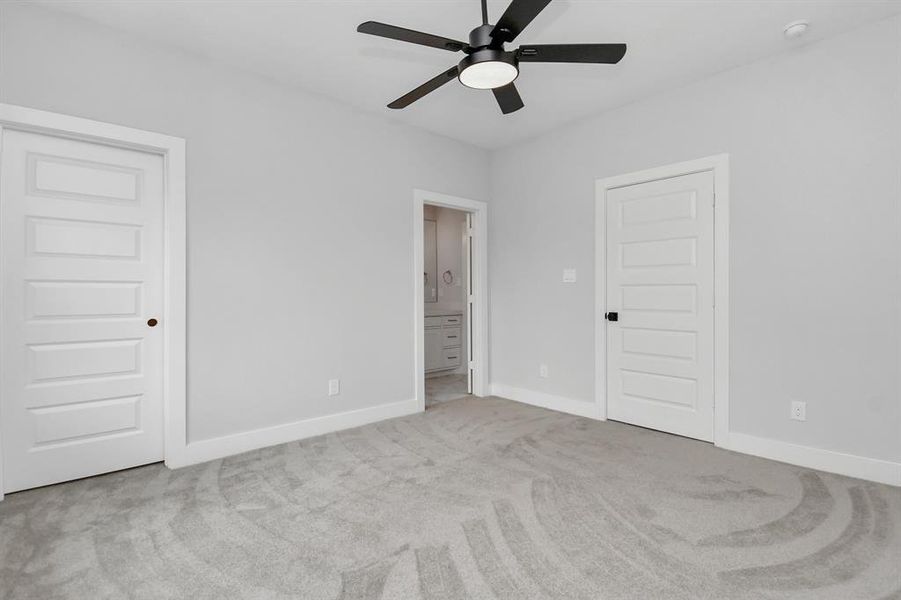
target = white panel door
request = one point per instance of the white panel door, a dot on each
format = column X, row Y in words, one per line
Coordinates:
column 81, row 251
column 660, row 282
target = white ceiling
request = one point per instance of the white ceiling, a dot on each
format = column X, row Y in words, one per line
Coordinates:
column 313, row 45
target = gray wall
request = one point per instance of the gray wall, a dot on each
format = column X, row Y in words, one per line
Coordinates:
column 299, row 217
column 815, row 142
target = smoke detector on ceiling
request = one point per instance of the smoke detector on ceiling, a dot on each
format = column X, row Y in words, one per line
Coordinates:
column 796, row 29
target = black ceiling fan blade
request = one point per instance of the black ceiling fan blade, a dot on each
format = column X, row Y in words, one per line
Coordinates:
column 516, row 18
column 408, row 35
column 426, row 88
column 507, row 97
column 572, row 53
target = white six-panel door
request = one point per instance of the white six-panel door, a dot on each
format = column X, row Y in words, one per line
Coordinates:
column 81, row 251
column 660, row 267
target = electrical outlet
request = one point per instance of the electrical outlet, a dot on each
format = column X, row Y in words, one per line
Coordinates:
column 542, row 371
column 334, row 387
column 799, row 410
column 569, row 275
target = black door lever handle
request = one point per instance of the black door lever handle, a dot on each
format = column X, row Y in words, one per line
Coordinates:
column 612, row 316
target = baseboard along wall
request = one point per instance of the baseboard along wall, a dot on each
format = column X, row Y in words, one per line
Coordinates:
column 852, row 465
column 861, row 467
column 558, row 403
column 220, row 447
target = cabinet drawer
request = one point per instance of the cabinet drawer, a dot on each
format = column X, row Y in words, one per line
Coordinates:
column 452, row 320
column 434, row 350
column 452, row 357
column 433, row 321
column 451, row 336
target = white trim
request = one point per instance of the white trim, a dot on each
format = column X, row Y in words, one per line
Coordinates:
column 581, row 408
column 871, row 469
column 479, row 211
column 600, row 299
column 719, row 164
column 175, row 314
column 229, row 445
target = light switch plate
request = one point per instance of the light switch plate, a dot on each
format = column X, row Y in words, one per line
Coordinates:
column 799, row 410
column 334, row 387
column 569, row 275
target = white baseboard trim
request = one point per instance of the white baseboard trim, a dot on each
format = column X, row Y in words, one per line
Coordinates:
column 229, row 445
column 871, row 469
column 558, row 403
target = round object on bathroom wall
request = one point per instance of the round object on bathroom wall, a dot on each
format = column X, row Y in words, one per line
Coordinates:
column 448, row 277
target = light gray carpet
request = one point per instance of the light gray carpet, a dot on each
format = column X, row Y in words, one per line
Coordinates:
column 472, row 499
column 445, row 387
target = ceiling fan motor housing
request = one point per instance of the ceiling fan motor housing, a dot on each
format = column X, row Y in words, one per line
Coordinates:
column 483, row 48
column 480, row 37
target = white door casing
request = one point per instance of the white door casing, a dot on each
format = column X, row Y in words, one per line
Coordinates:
column 467, row 268
column 81, row 247
column 478, row 322
column 660, row 281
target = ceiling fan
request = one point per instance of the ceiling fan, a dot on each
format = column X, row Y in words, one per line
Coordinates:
column 487, row 65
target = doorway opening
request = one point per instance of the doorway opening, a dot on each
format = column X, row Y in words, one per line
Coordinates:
column 447, row 287
column 449, row 271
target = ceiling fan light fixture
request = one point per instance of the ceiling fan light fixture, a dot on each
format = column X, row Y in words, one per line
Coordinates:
column 488, row 75
column 487, row 66
column 487, row 70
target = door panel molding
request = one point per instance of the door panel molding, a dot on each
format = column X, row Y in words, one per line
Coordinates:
column 116, row 189
column 719, row 166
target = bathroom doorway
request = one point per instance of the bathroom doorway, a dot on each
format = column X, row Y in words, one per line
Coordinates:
column 450, row 320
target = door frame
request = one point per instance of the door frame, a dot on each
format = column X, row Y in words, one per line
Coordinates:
column 172, row 149
column 479, row 326
column 719, row 165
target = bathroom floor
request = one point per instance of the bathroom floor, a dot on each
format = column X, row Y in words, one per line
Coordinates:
column 444, row 388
